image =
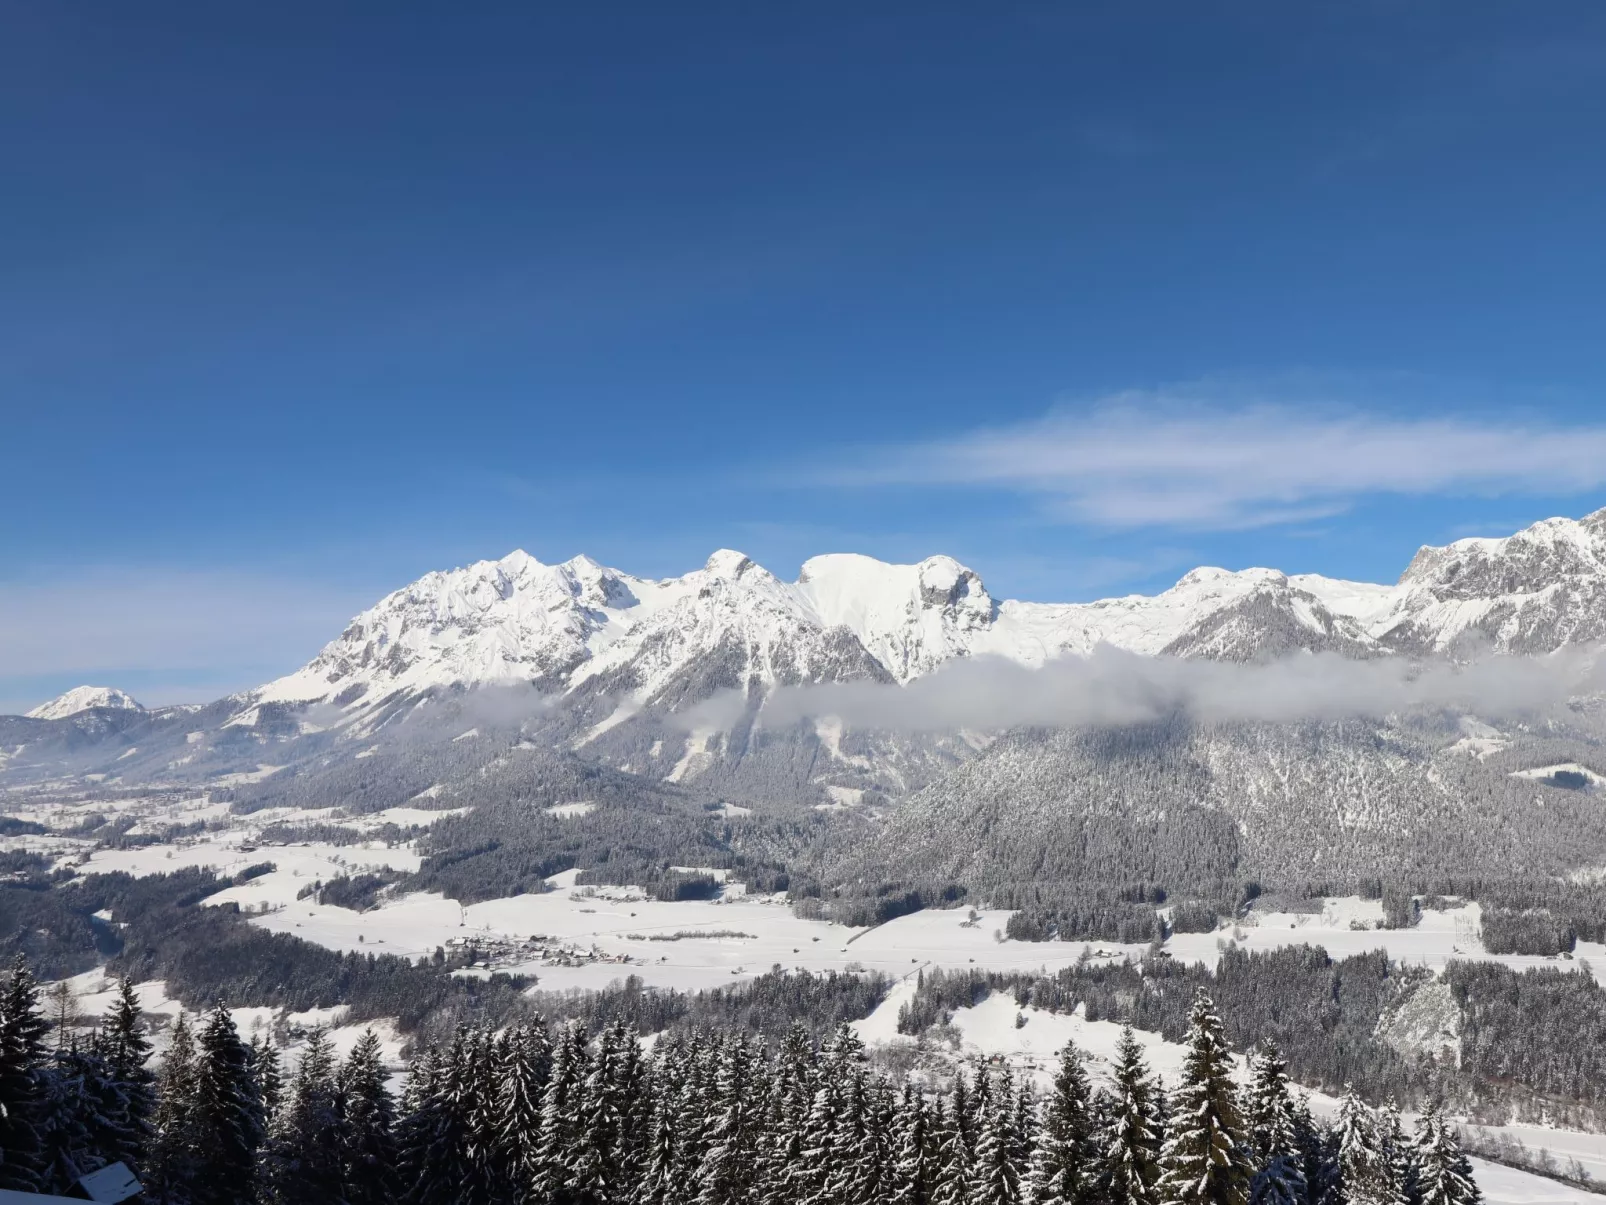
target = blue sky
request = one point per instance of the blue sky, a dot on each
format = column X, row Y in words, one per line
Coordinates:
column 302, row 301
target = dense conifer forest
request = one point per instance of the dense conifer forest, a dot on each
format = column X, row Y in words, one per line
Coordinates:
column 570, row 1115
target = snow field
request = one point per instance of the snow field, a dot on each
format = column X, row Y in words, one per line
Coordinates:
column 297, row 866
column 1437, row 939
column 1503, row 1185
column 612, row 927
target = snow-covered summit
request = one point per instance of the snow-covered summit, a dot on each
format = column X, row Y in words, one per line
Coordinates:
column 83, row 698
column 1530, row 592
column 911, row 618
column 583, row 627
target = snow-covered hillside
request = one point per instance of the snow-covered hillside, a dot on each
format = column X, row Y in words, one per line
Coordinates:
column 83, row 698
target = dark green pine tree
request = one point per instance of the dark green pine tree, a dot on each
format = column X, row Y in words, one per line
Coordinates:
column 727, row 1172
column 74, row 1085
column 781, row 1154
column 1129, row 1156
column 1317, row 1156
column 130, row 1109
column 301, row 1162
column 1273, row 1141
column 562, row 1110
column 436, row 1161
column 953, row 1152
column 632, row 1080
column 1024, row 1125
column 22, row 1088
column 368, row 1153
column 1065, row 1159
column 1204, row 1161
column 665, row 1179
column 524, row 1061
column 1399, row 1155
column 1363, row 1166
column 226, row 1115
column 1444, row 1174
column 820, row 1131
column 171, row 1166
column 482, row 1053
column 269, row 1071
column 994, row 1179
column 913, row 1151
column 597, row 1161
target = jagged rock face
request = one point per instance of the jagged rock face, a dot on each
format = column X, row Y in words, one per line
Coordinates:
column 1274, row 620
column 1528, row 593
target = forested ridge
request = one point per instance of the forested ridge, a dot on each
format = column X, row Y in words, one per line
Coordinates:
column 533, row 1115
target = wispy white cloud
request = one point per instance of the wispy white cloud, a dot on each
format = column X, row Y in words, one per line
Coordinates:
column 1177, row 460
column 185, row 632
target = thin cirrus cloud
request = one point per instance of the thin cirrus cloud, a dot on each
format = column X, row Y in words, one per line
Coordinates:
column 1144, row 460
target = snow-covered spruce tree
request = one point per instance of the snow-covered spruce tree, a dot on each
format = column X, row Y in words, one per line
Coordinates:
column 995, row 1179
column 1024, row 1123
column 1363, row 1167
column 1444, row 1174
column 1064, row 1167
column 73, row 1088
column 1204, row 1162
column 436, row 1160
column 562, row 1112
column 171, row 1165
column 703, row 1054
column 1269, row 1119
column 821, row 1128
column 367, row 1129
column 664, row 1180
column 269, row 1070
column 130, row 1110
column 599, row 1172
column 1129, row 1154
column 227, row 1115
column 726, row 1174
column 851, row 1175
column 953, row 1159
column 632, row 1083
column 913, row 1173
column 421, row 1075
column 524, row 1060
column 978, row 1102
column 301, row 1160
column 1399, row 1155
column 1318, row 1156
column 22, row 1089
column 484, row 1128
column 781, row 1160
column 883, row 1114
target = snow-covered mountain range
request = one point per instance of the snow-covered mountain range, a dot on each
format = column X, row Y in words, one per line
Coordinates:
column 582, row 628
column 600, row 674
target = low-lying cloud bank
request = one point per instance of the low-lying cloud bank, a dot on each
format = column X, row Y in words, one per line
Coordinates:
column 1117, row 688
